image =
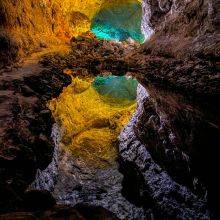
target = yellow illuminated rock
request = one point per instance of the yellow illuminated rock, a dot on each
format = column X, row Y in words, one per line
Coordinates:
column 88, row 7
column 90, row 122
column 31, row 25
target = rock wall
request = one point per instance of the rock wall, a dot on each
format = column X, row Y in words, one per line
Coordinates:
column 156, row 188
column 178, row 65
column 26, row 26
column 25, row 129
column 30, row 25
column 169, row 149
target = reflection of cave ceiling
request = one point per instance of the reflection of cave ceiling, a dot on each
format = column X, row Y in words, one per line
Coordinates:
column 111, row 19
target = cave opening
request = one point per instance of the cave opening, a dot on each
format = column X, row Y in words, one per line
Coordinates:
column 118, row 21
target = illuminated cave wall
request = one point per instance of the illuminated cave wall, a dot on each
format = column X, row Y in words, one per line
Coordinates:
column 26, row 25
column 113, row 20
column 119, row 21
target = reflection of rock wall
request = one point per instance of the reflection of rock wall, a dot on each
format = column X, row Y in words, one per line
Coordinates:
column 156, row 188
column 71, row 180
column 91, row 122
column 86, row 171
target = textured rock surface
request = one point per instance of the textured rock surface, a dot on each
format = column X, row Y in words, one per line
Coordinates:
column 25, row 127
column 172, row 158
column 90, row 121
column 27, row 26
column 30, row 25
column 179, row 120
column 179, row 66
column 73, row 181
column 168, row 199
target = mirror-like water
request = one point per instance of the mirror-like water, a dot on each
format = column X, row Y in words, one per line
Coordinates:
column 118, row 87
column 91, row 114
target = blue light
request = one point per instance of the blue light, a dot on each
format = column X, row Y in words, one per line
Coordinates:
column 119, row 23
column 116, row 87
